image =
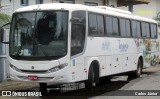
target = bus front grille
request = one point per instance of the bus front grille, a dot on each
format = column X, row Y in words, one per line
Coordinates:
column 34, row 71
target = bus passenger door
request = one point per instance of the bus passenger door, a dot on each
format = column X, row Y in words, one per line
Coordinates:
column 78, row 33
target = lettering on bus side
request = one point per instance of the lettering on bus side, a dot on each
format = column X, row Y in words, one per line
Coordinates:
column 123, row 46
column 73, row 62
column 106, row 45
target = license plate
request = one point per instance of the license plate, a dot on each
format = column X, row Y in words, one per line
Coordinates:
column 30, row 77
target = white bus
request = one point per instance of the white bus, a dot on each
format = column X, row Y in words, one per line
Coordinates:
column 65, row 43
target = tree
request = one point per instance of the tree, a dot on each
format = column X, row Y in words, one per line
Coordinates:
column 4, row 18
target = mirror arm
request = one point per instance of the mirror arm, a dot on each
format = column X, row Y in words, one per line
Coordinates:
column 3, row 33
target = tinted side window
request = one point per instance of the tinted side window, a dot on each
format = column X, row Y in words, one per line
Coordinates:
column 138, row 29
column 128, row 28
column 134, row 28
column 147, row 30
column 122, row 27
column 153, row 28
column 125, row 28
column 100, row 22
column 93, row 29
column 115, row 27
column 109, row 25
column 144, row 32
column 78, row 32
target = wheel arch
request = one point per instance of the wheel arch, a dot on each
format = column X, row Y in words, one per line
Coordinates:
column 95, row 62
column 140, row 57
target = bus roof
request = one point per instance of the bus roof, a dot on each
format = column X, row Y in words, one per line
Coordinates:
column 95, row 9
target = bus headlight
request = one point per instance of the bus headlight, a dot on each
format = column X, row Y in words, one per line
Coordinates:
column 57, row 68
column 15, row 68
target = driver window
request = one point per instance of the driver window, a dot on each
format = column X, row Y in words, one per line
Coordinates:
column 78, row 32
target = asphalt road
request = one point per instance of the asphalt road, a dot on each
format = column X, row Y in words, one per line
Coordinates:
column 120, row 87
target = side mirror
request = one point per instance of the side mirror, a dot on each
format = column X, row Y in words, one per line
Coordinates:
column 1, row 34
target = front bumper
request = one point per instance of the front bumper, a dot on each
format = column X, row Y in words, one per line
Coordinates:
column 59, row 77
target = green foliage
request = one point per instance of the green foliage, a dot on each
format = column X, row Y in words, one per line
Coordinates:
column 4, row 18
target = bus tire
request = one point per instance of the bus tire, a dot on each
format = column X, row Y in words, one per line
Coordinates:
column 137, row 72
column 91, row 78
column 43, row 88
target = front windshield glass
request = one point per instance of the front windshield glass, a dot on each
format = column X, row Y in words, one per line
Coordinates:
column 36, row 35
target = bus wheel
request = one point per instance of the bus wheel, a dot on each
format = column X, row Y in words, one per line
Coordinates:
column 139, row 69
column 43, row 88
column 91, row 78
column 136, row 73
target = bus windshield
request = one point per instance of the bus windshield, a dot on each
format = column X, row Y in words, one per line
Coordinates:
column 39, row 35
